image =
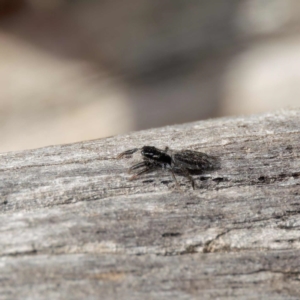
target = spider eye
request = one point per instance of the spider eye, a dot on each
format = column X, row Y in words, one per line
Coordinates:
column 147, row 154
column 147, row 151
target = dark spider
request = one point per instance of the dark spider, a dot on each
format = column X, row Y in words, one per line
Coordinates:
column 183, row 162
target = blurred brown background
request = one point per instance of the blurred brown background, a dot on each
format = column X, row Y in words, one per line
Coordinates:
column 73, row 70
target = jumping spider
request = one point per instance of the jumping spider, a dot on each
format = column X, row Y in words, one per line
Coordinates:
column 184, row 162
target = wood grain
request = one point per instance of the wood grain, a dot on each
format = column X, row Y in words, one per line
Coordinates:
column 73, row 226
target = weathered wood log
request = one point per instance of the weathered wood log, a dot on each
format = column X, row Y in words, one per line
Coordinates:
column 73, row 226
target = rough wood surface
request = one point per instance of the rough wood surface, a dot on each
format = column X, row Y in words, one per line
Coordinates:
column 73, row 227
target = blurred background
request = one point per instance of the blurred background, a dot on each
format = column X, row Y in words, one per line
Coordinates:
column 73, row 70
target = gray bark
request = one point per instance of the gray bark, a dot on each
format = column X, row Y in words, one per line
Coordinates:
column 72, row 226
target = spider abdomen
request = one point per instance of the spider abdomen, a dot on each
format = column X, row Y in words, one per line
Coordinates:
column 193, row 160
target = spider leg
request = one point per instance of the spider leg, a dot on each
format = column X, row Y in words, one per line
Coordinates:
column 145, row 163
column 144, row 171
column 174, row 177
column 127, row 152
column 187, row 175
column 137, row 166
